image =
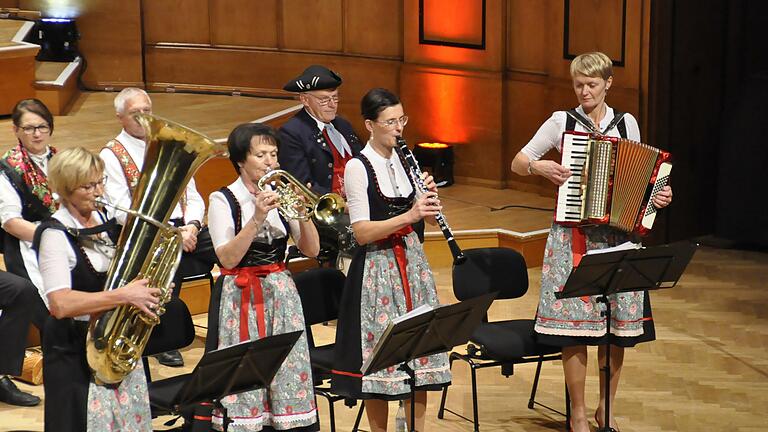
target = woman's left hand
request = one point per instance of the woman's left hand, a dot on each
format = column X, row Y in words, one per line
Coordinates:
column 429, row 182
column 663, row 198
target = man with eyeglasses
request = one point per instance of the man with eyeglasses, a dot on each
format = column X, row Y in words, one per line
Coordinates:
column 316, row 144
column 123, row 160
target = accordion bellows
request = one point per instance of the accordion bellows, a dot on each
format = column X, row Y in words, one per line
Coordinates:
column 613, row 182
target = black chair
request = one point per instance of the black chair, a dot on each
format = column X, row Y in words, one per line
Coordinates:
column 175, row 331
column 320, row 290
column 499, row 343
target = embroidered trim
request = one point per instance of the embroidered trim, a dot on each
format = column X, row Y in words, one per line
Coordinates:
column 130, row 170
column 18, row 159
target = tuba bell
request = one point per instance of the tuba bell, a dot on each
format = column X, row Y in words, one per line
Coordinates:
column 148, row 246
column 325, row 210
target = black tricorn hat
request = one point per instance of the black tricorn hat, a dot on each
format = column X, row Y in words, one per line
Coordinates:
column 315, row 77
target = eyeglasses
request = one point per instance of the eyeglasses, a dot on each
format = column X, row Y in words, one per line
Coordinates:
column 89, row 187
column 30, row 130
column 391, row 123
column 140, row 111
column 325, row 101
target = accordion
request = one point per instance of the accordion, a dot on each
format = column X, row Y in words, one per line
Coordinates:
column 613, row 182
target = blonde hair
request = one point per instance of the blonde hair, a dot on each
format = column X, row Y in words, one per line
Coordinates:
column 593, row 65
column 125, row 95
column 71, row 168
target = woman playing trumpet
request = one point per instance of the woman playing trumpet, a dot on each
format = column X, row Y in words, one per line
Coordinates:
column 73, row 264
column 255, row 296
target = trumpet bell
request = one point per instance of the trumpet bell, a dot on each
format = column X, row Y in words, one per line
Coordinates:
column 296, row 201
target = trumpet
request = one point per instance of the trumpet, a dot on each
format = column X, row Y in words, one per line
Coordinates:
column 325, row 210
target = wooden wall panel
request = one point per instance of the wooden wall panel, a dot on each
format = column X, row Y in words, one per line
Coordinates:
column 244, row 22
column 461, row 108
column 489, row 59
column 374, row 28
column 452, row 21
column 111, row 43
column 627, row 75
column 527, row 46
column 596, row 25
column 177, row 21
column 265, row 71
column 314, row 25
column 9, row 3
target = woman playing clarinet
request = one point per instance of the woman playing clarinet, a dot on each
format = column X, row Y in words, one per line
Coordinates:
column 389, row 274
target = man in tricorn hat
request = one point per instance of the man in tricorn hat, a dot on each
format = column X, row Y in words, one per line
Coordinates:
column 315, row 145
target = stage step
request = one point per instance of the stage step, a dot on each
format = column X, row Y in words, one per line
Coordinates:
column 56, row 84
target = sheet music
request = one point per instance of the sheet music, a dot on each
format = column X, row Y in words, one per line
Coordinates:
column 413, row 312
column 624, row 246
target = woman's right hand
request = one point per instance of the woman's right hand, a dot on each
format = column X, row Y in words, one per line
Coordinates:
column 426, row 205
column 138, row 293
column 264, row 201
column 551, row 170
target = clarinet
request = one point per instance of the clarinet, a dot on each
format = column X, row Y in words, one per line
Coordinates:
column 413, row 169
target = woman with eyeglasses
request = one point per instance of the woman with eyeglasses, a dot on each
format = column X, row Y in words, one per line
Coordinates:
column 25, row 197
column 75, row 248
column 389, row 274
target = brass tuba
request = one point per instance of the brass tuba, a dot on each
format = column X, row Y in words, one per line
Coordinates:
column 148, row 247
column 325, row 210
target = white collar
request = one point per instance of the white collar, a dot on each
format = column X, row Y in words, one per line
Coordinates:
column 374, row 156
column 127, row 139
column 320, row 125
column 65, row 217
column 605, row 121
column 276, row 229
column 41, row 159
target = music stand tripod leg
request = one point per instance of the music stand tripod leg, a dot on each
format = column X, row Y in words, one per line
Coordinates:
column 411, row 381
column 607, row 368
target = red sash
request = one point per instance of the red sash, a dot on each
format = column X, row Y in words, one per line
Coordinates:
column 132, row 173
column 395, row 240
column 578, row 249
column 339, row 162
column 248, row 279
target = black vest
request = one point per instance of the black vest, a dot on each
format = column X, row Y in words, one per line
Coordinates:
column 258, row 253
column 383, row 207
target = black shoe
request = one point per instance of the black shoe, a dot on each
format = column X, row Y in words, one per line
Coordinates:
column 170, row 358
column 11, row 394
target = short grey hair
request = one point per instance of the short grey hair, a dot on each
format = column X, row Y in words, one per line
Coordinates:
column 125, row 95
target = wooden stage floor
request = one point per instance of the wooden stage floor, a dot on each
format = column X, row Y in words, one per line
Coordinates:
column 707, row 370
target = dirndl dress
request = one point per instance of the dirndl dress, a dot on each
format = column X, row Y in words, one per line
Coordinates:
column 374, row 294
column 578, row 321
column 73, row 401
column 256, row 299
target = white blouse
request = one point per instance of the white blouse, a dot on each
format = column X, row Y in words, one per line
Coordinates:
column 550, row 133
column 117, row 192
column 57, row 257
column 390, row 173
column 222, row 227
column 10, row 208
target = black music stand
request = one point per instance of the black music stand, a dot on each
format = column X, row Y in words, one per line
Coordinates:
column 603, row 274
column 242, row 367
column 434, row 331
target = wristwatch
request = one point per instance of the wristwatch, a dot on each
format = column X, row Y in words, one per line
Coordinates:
column 196, row 223
column 530, row 166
